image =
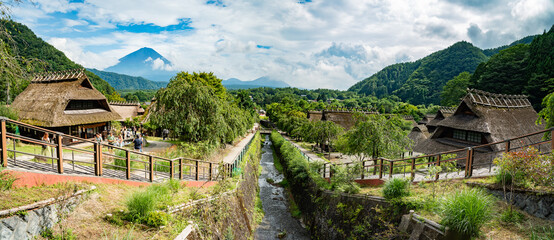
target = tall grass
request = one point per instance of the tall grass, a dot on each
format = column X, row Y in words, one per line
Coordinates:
column 466, row 211
column 6, row 180
column 396, row 188
column 140, row 205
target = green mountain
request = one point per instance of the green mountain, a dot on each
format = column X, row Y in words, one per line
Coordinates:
column 525, row 40
column 520, row 69
column 421, row 82
column 45, row 57
column 122, row 81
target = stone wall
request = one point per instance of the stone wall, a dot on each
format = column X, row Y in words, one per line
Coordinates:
column 28, row 224
column 538, row 204
column 420, row 228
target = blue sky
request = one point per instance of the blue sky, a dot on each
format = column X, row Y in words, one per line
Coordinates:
column 308, row 44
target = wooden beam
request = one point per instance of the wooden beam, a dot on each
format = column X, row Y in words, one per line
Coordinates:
column 60, row 153
column 4, row 144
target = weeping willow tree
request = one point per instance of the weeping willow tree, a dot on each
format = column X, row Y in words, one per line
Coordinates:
column 196, row 107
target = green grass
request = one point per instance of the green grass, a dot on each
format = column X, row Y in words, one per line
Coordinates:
column 467, row 211
column 21, row 196
column 276, row 162
column 396, row 188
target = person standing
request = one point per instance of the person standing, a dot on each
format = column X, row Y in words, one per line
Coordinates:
column 165, row 133
column 45, row 148
column 138, row 143
column 98, row 138
column 111, row 140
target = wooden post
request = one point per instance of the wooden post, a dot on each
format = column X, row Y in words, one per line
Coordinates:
column 413, row 169
column 128, row 163
column 381, row 169
column 171, row 169
column 151, row 160
column 180, row 168
column 363, row 169
column 4, row 144
column 472, row 153
column 551, row 140
column 100, row 160
column 438, row 164
column 391, row 166
column 507, row 146
column 96, row 160
column 468, row 161
column 210, row 173
column 60, row 154
column 196, row 162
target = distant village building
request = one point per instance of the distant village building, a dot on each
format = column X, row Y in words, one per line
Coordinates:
column 426, row 119
column 418, row 134
column 127, row 110
column 410, row 119
column 483, row 118
column 314, row 115
column 442, row 113
column 65, row 102
column 343, row 117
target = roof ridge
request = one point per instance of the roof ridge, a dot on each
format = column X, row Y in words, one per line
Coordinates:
column 62, row 75
column 483, row 98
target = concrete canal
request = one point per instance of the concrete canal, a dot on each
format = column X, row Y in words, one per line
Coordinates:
column 277, row 222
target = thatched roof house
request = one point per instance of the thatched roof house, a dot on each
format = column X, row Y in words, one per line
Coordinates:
column 442, row 113
column 65, row 101
column 127, row 110
column 343, row 117
column 418, row 134
column 410, row 119
column 483, row 118
column 426, row 119
column 314, row 115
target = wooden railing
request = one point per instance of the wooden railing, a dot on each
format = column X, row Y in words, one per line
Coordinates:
column 463, row 161
column 84, row 156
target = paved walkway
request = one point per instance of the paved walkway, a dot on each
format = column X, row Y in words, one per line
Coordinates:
column 236, row 149
column 420, row 175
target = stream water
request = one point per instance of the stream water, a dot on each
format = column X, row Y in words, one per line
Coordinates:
column 277, row 222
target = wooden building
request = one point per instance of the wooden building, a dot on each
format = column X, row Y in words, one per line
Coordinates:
column 127, row 110
column 418, row 134
column 343, row 117
column 65, row 102
column 442, row 113
column 483, row 118
column 314, row 115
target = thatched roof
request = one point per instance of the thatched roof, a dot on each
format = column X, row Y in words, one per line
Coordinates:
column 342, row 117
column 497, row 117
column 314, row 115
column 44, row 102
column 410, row 119
column 442, row 113
column 426, row 119
column 418, row 134
column 127, row 109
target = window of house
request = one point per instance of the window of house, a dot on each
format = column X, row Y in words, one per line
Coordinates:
column 474, row 137
column 466, row 135
column 459, row 134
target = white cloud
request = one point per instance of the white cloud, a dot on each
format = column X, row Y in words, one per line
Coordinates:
column 327, row 43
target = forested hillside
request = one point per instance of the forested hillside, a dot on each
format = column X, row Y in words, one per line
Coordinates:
column 520, row 69
column 122, row 81
column 421, row 82
column 44, row 56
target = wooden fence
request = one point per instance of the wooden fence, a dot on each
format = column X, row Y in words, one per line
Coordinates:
column 462, row 161
column 89, row 157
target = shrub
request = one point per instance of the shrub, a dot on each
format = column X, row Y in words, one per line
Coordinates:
column 140, row 204
column 156, row 219
column 396, row 188
column 466, row 211
column 512, row 216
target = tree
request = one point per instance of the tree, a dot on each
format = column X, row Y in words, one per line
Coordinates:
column 195, row 108
column 455, row 89
column 374, row 136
